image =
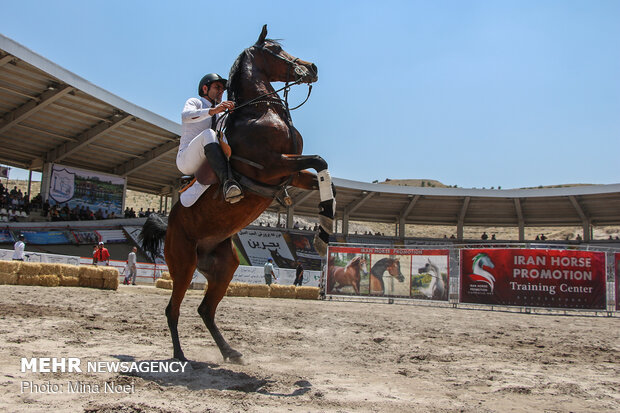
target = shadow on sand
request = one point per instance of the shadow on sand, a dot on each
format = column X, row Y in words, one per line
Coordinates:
column 199, row 375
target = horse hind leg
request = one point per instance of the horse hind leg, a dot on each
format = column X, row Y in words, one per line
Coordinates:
column 181, row 269
column 219, row 267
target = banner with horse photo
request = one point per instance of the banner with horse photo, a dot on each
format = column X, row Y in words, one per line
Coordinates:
column 534, row 278
column 303, row 249
column 347, row 271
column 388, row 272
column 81, row 188
column 617, row 259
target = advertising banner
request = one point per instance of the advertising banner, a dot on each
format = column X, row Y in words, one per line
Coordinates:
column 389, row 272
column 533, row 278
column 617, row 259
column 6, row 237
column 77, row 187
column 85, row 237
column 47, row 237
column 259, row 245
column 304, row 251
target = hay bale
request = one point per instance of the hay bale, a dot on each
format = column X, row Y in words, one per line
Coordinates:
column 163, row 283
column 90, row 276
column 8, row 278
column 307, row 293
column 45, row 280
column 165, row 275
column 29, row 269
column 49, row 268
column 110, row 277
column 66, row 281
column 238, row 290
column 48, row 280
column 9, row 267
column 282, row 291
column 68, row 270
column 258, row 290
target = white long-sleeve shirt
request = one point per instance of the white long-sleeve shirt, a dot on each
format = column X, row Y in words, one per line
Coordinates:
column 194, row 119
column 18, row 254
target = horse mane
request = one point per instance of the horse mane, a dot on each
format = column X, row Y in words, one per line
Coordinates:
column 356, row 259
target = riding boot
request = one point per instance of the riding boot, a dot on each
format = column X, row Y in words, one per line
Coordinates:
column 219, row 163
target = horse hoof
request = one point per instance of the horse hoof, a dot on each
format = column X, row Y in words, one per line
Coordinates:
column 234, row 357
column 235, row 360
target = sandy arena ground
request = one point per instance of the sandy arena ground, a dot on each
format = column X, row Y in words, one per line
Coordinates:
column 307, row 355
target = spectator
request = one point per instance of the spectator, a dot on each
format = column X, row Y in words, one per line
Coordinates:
column 132, row 269
column 269, row 272
column 102, row 254
column 95, row 249
column 299, row 274
column 484, row 236
column 18, row 249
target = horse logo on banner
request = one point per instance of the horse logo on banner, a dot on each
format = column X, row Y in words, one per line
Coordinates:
column 62, row 185
column 479, row 273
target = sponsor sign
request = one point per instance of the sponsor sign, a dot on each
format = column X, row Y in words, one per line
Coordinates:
column 47, row 237
column 533, row 278
column 77, row 187
column 6, row 236
column 260, row 245
column 389, row 272
column 303, row 249
column 617, row 259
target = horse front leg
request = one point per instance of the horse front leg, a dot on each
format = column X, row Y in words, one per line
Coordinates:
column 323, row 182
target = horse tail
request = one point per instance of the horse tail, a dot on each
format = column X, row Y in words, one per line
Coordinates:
column 153, row 232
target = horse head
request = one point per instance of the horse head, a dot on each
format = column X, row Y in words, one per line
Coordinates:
column 278, row 65
column 394, row 269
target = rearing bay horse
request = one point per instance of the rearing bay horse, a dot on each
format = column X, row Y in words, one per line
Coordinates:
column 267, row 157
column 392, row 266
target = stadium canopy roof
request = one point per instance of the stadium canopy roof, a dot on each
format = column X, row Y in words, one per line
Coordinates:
column 50, row 115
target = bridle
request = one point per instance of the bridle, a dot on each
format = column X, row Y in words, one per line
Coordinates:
column 291, row 64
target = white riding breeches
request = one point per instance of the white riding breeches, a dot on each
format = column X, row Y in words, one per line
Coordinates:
column 192, row 156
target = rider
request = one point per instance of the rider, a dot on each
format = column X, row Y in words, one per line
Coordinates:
column 198, row 137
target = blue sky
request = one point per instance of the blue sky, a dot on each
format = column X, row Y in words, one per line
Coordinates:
column 471, row 93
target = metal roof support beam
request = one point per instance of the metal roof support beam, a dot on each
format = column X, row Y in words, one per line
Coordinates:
column 146, row 158
column 29, row 108
column 584, row 219
column 520, row 219
column 461, row 221
column 404, row 214
column 62, row 151
column 352, row 207
column 290, row 212
column 6, row 59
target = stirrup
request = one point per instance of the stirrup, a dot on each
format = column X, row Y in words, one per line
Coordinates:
column 232, row 192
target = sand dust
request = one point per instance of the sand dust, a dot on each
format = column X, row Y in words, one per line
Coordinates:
column 307, row 355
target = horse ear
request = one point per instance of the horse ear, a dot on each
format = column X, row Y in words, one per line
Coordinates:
column 263, row 35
